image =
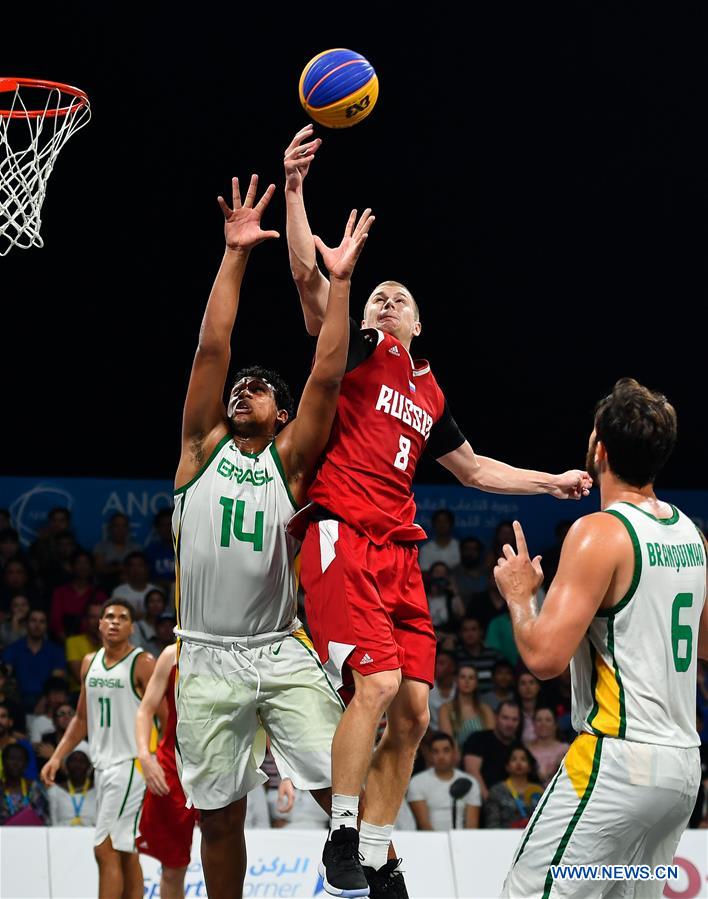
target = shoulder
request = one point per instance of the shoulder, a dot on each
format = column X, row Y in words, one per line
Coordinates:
column 598, row 535
column 476, row 743
column 88, row 659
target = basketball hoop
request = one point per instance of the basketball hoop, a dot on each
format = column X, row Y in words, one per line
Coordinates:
column 36, row 119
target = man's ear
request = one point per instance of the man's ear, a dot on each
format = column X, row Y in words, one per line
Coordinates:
column 417, row 328
column 282, row 417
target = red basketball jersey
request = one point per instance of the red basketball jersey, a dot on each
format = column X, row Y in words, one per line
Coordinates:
column 386, row 409
column 166, row 747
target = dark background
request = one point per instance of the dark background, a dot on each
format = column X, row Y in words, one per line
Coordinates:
column 538, row 176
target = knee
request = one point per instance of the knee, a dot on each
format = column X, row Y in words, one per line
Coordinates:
column 217, row 824
column 104, row 853
column 173, row 876
column 376, row 692
column 408, row 728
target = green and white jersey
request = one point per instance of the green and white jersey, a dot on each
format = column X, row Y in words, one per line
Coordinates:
column 111, row 706
column 235, row 569
column 634, row 674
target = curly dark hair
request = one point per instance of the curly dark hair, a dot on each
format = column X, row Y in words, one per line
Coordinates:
column 638, row 429
column 283, row 396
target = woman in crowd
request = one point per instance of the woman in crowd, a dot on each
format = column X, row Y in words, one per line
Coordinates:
column 528, row 687
column 14, row 627
column 73, row 803
column 466, row 713
column 511, row 802
column 23, row 801
column 547, row 749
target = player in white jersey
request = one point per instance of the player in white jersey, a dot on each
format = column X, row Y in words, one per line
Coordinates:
column 112, row 682
column 627, row 611
column 245, row 665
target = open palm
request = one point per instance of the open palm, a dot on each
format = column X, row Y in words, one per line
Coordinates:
column 340, row 260
column 242, row 226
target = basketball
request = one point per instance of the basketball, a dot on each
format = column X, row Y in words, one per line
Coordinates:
column 338, row 88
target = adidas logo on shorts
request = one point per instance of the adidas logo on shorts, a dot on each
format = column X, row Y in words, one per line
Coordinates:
column 366, row 659
column 394, row 350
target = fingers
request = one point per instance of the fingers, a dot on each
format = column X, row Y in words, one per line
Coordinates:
column 265, row 199
column 235, row 193
column 508, row 551
column 299, row 137
column 270, row 235
column 536, row 563
column 306, row 150
column 362, row 221
column 348, row 231
column 252, row 190
column 521, row 546
column 320, row 245
column 223, row 206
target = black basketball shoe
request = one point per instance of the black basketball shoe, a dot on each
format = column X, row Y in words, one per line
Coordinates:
column 340, row 867
column 387, row 882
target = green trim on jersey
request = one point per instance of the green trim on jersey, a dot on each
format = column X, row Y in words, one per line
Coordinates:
column 672, row 520
column 206, row 465
column 103, row 658
column 611, row 649
column 563, row 845
column 319, row 665
column 636, row 576
column 127, row 792
column 178, row 567
column 279, row 465
column 250, row 455
column 132, row 669
column 593, row 689
column 91, row 663
column 539, row 812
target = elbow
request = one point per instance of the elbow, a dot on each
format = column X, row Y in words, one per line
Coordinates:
column 209, row 348
column 545, row 665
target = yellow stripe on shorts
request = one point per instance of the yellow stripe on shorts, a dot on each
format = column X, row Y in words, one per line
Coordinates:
column 579, row 762
column 300, row 635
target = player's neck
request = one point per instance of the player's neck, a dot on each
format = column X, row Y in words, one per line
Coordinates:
column 252, row 445
column 445, row 773
column 117, row 651
column 613, row 490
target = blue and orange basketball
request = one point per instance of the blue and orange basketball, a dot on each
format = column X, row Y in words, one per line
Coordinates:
column 338, row 88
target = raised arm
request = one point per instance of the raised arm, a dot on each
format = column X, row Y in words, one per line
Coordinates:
column 204, row 420
column 302, row 442
column 492, row 476
column 74, row 734
column 150, row 705
column 312, row 286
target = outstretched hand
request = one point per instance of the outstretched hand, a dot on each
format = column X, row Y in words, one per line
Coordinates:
column 517, row 575
column 242, row 228
column 298, row 157
column 573, row 484
column 340, row 261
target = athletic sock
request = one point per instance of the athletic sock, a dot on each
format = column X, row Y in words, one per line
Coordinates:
column 374, row 841
column 345, row 811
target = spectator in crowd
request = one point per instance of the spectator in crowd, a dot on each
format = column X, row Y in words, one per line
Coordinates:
column 471, row 575
column 54, row 693
column 527, row 689
column 563, row 705
column 43, row 551
column 17, row 581
column 485, row 606
column 547, row 749
column 444, row 689
column 161, row 552
column 446, row 607
column 8, row 736
column 73, row 803
column 9, row 546
column 145, row 630
column 471, row 650
column 501, row 686
column 429, row 792
column 60, row 571
column 503, row 534
column 23, row 800
column 165, row 629
column 500, row 636
column 551, row 556
column 484, row 754
column 81, row 644
column 466, row 714
column 69, row 600
column 111, row 553
column 443, row 547
column 511, row 802
column 33, row 659
column 137, row 580
column 14, row 627
column 9, row 691
column 304, row 813
column 50, row 739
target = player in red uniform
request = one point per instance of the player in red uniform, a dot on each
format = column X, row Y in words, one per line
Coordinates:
column 366, row 605
column 166, row 826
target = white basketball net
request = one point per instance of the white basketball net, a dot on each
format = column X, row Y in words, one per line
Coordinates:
column 30, row 142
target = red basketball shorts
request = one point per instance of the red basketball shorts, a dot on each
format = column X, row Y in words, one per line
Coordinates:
column 366, row 605
column 166, row 827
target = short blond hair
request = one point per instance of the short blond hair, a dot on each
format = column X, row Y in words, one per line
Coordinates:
column 400, row 287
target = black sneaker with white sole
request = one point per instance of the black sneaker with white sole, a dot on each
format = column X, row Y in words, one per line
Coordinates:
column 340, row 867
column 387, row 882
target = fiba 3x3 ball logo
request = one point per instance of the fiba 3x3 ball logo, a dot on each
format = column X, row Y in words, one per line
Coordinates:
column 338, row 88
